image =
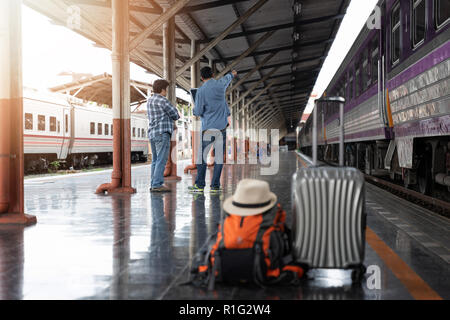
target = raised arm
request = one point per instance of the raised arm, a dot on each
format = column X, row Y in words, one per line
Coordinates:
column 226, row 79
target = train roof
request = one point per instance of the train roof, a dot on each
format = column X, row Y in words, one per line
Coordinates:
column 355, row 48
column 46, row 96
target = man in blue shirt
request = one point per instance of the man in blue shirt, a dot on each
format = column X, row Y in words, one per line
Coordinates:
column 211, row 106
column 161, row 115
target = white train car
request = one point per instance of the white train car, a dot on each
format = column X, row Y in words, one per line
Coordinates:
column 59, row 128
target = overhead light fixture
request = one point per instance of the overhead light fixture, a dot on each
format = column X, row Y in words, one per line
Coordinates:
column 296, row 36
column 297, row 8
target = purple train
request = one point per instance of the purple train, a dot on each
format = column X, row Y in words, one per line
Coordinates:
column 396, row 82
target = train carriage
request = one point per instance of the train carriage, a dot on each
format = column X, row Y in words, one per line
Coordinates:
column 61, row 128
column 396, row 82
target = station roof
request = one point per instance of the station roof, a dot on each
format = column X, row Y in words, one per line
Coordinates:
column 99, row 89
column 293, row 52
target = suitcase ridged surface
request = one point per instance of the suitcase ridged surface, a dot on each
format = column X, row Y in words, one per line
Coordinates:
column 329, row 217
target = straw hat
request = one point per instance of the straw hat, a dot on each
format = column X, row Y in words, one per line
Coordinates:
column 250, row 198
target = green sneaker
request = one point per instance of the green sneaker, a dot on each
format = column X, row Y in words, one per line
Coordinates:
column 216, row 190
column 195, row 189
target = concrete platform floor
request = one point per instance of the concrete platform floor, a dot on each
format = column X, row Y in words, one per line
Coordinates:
column 88, row 246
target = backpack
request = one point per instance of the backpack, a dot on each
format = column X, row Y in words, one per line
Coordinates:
column 249, row 249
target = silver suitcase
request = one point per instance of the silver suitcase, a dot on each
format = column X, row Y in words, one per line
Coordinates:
column 329, row 219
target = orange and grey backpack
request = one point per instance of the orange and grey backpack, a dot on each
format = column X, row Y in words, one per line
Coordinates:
column 249, row 249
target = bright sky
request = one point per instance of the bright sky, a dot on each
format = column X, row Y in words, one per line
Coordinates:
column 49, row 49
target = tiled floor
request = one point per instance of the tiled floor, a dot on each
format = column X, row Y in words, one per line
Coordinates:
column 88, row 246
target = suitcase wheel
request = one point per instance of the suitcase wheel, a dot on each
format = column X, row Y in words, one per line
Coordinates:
column 358, row 273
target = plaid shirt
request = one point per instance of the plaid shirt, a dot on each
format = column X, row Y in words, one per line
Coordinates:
column 161, row 115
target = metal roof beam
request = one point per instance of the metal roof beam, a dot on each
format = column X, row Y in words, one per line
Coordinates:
column 226, row 32
column 250, row 90
column 252, row 71
column 163, row 18
column 245, row 53
column 287, row 63
column 259, row 94
column 291, row 90
column 260, row 53
column 285, row 48
column 283, row 26
column 209, row 5
column 271, row 78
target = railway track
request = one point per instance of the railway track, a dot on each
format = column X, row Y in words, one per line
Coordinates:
column 436, row 205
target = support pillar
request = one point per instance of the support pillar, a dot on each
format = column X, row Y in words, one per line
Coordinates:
column 195, row 76
column 11, row 116
column 246, row 136
column 121, row 175
column 170, row 74
column 230, row 138
column 236, row 127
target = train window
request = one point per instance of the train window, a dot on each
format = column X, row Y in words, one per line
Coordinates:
column 52, row 124
column 28, row 121
column 442, row 12
column 134, row 132
column 395, row 34
column 365, row 70
column 358, row 81
column 41, row 123
column 143, row 133
column 100, row 128
column 139, row 133
column 106, row 129
column 418, row 21
column 112, row 132
column 375, row 57
column 345, row 89
column 92, row 128
column 350, row 84
column 59, row 126
column 67, row 123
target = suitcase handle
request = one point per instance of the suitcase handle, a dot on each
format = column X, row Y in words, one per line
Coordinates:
column 341, row 101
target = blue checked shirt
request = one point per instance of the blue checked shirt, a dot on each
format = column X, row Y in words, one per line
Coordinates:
column 161, row 115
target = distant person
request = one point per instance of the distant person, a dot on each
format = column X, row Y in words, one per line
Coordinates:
column 211, row 106
column 161, row 115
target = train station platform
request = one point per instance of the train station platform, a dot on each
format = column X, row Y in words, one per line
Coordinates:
column 89, row 246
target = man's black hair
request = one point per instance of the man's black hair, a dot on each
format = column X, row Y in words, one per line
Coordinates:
column 206, row 73
column 160, row 85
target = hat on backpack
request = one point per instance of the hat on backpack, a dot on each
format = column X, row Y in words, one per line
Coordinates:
column 250, row 198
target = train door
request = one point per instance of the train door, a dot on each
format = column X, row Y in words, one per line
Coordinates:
column 66, row 134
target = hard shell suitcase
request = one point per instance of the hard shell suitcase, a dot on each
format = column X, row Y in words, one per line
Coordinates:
column 329, row 219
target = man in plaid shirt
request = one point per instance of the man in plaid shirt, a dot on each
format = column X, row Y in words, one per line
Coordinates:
column 161, row 115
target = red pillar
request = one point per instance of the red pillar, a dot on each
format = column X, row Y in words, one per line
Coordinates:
column 121, row 175
column 11, row 117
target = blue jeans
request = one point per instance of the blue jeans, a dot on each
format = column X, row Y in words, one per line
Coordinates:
column 211, row 137
column 160, row 145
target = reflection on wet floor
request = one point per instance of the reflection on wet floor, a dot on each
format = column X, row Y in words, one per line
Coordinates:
column 88, row 246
